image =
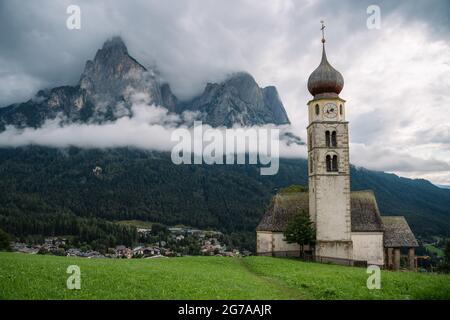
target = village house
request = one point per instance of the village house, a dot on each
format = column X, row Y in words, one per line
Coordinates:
column 176, row 230
column 138, row 251
column 143, row 231
column 74, row 252
column 93, row 255
column 151, row 251
column 24, row 248
column 124, row 252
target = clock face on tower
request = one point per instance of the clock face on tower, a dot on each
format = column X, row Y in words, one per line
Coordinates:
column 330, row 110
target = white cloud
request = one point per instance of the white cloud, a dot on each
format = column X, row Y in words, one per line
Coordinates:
column 147, row 127
column 383, row 158
column 397, row 89
column 141, row 131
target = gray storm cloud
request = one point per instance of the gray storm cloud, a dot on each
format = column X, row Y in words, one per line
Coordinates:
column 192, row 42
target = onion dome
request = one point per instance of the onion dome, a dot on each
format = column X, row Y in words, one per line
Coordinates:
column 325, row 80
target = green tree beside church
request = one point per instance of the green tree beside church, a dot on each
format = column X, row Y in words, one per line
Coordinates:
column 300, row 230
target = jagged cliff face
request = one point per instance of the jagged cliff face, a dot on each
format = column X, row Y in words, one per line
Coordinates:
column 115, row 75
column 107, row 85
column 239, row 100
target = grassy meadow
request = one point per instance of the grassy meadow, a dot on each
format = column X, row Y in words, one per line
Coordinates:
column 24, row 276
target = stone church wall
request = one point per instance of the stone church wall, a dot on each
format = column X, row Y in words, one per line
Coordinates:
column 273, row 242
column 338, row 250
column 281, row 245
column 368, row 246
column 263, row 242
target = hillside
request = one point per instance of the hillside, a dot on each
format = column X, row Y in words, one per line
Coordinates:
column 44, row 277
column 41, row 182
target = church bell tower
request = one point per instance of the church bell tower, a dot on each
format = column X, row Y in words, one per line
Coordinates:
column 328, row 163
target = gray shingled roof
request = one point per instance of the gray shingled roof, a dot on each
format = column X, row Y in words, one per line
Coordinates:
column 397, row 233
column 364, row 212
column 281, row 209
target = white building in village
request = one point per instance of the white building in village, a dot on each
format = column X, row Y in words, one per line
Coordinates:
column 348, row 224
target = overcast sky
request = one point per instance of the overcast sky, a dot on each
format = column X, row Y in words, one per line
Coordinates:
column 397, row 78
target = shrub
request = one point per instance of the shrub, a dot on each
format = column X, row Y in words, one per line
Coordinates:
column 5, row 241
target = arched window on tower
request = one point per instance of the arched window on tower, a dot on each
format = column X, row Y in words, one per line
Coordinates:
column 334, row 164
column 327, row 138
column 328, row 163
column 340, row 110
column 333, row 139
column 331, row 163
column 317, row 109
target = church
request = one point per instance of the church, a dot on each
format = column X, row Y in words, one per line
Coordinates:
column 349, row 227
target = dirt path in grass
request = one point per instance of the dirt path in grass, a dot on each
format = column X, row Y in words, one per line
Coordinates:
column 280, row 285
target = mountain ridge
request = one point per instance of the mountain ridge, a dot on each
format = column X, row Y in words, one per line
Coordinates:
column 145, row 185
column 109, row 81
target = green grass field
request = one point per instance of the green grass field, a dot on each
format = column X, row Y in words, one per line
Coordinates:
column 25, row 276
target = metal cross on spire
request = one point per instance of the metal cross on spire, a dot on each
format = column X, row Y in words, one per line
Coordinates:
column 323, row 31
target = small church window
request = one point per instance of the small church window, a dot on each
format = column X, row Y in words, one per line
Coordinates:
column 334, row 164
column 310, row 165
column 333, row 139
column 317, row 109
column 327, row 138
column 340, row 109
column 328, row 162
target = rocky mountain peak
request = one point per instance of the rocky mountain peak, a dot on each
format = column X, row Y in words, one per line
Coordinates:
column 113, row 53
column 241, row 77
column 115, row 75
column 115, row 44
column 109, row 81
column 239, row 100
column 246, row 87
